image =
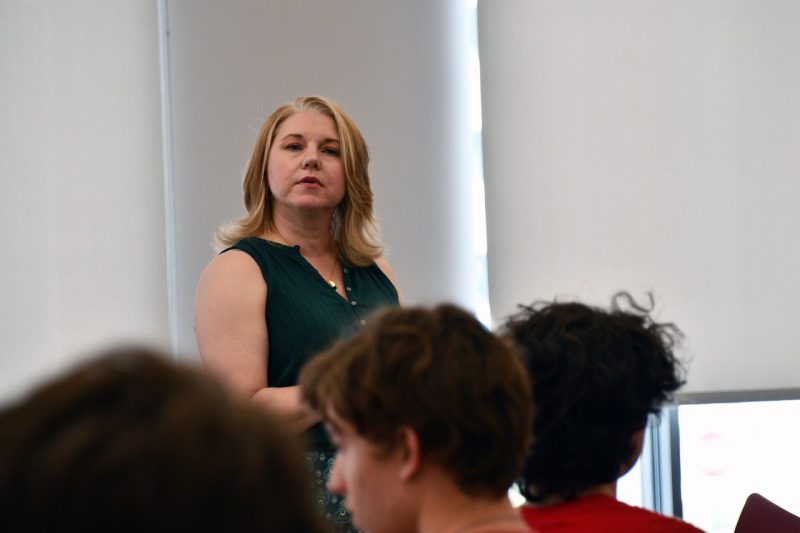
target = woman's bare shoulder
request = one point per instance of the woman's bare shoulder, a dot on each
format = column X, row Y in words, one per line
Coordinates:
column 383, row 264
column 233, row 266
column 231, row 281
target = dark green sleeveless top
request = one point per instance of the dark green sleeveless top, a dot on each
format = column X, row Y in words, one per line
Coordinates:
column 305, row 315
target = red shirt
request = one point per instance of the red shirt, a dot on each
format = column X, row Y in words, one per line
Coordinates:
column 598, row 513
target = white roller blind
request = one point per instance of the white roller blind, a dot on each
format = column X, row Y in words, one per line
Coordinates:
column 399, row 68
column 81, row 190
column 651, row 146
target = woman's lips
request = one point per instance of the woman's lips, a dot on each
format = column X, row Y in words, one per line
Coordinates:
column 310, row 180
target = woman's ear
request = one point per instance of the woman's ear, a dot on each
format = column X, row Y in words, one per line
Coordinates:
column 409, row 449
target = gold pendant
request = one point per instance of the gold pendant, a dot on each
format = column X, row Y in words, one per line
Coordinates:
column 332, row 283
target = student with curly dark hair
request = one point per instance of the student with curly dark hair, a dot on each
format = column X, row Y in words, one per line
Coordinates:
column 596, row 376
column 431, row 414
column 130, row 442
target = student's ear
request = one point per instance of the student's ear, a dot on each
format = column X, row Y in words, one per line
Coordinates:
column 408, row 443
column 637, row 444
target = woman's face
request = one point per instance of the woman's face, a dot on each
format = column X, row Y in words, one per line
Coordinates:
column 304, row 166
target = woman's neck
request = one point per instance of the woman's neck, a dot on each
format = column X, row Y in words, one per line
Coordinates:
column 313, row 235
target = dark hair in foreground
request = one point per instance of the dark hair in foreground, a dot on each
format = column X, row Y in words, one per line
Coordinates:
column 130, row 442
column 596, row 376
column 441, row 373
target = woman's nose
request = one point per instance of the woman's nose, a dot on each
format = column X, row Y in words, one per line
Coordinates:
column 311, row 161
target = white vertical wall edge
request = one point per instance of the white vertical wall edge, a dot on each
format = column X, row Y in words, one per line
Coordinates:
column 169, row 188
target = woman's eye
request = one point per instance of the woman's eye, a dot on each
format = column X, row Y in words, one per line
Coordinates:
column 331, row 151
column 293, row 147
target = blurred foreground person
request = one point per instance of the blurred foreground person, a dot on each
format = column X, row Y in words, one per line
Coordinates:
column 431, row 416
column 596, row 377
column 130, row 442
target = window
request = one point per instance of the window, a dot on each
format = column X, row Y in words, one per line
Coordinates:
column 702, row 460
column 730, row 450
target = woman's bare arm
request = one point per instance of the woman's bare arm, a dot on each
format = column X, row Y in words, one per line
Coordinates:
column 232, row 335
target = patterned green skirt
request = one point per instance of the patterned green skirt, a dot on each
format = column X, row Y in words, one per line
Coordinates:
column 330, row 505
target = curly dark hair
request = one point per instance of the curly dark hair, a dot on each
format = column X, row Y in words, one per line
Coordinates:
column 596, row 376
column 441, row 373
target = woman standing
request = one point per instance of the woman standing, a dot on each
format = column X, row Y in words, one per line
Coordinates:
column 300, row 270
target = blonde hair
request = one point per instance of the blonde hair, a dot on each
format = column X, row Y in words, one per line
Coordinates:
column 353, row 227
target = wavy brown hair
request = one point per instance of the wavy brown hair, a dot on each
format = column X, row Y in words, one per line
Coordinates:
column 130, row 442
column 441, row 373
column 354, row 229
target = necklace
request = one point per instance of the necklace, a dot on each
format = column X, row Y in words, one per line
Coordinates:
column 329, row 280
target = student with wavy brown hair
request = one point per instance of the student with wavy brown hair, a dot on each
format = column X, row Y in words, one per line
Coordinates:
column 431, row 415
column 301, row 269
column 597, row 375
column 129, row 442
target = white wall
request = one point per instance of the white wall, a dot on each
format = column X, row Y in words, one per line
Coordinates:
column 651, row 146
column 399, row 68
column 81, row 199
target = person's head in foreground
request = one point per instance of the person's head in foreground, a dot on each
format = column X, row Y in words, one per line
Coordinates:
column 596, row 375
column 131, row 442
column 431, row 416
